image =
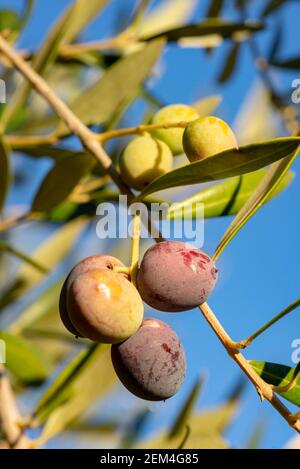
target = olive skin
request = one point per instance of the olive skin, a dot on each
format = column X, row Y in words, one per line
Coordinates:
column 151, row 364
column 104, row 306
column 90, row 262
column 173, row 113
column 143, row 160
column 206, row 137
column 175, row 276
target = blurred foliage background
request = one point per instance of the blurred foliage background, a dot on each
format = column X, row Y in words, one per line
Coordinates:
column 68, row 386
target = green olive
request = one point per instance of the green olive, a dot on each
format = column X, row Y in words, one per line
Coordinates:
column 172, row 114
column 143, row 160
column 207, row 136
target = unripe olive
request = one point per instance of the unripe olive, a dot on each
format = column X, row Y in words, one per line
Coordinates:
column 207, row 136
column 151, row 363
column 172, row 114
column 91, row 262
column 143, row 160
column 104, row 306
column 175, row 276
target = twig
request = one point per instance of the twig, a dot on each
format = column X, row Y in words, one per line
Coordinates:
column 9, row 414
column 264, row 389
column 140, row 129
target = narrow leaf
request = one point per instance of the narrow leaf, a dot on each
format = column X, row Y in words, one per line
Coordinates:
column 265, row 188
column 272, row 6
column 291, row 63
column 89, row 377
column 224, row 29
column 230, row 63
column 226, row 164
column 61, row 180
column 278, row 375
column 25, row 360
column 215, row 8
column 227, row 197
column 4, row 173
column 99, row 103
column 49, row 254
column 206, row 106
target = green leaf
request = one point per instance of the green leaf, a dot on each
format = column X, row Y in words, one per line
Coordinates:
column 61, row 180
column 186, row 410
column 263, row 191
column 9, row 19
column 230, row 63
column 83, row 13
column 291, row 63
column 22, row 256
column 224, row 29
column 4, row 173
column 278, row 375
column 205, row 430
column 169, row 14
column 227, row 197
column 49, row 254
column 25, row 360
column 99, row 103
column 272, row 6
column 229, row 163
column 87, row 378
column 46, row 54
column 215, row 8
column 206, row 106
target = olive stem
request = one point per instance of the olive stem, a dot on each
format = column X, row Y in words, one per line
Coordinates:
column 264, row 389
column 135, row 246
column 122, row 270
column 246, row 342
column 140, row 129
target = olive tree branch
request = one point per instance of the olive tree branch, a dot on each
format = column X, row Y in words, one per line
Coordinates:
column 91, row 143
column 264, row 389
column 9, row 414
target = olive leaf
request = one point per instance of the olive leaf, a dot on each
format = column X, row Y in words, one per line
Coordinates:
column 230, row 63
column 45, row 55
column 49, row 254
column 9, row 20
column 226, row 164
column 225, row 29
column 278, row 375
column 186, row 410
column 215, row 8
column 226, row 197
column 88, row 377
column 4, row 246
column 206, row 106
column 169, row 14
column 272, row 6
column 263, row 191
column 100, row 102
column 4, row 173
column 82, row 13
column 291, row 63
column 26, row 361
column 61, row 180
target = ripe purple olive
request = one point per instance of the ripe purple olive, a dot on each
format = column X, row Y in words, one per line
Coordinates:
column 87, row 264
column 175, row 276
column 151, row 363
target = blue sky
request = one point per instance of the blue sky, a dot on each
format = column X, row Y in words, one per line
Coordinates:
column 259, row 271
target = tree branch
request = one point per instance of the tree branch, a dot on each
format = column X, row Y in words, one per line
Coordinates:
column 9, row 414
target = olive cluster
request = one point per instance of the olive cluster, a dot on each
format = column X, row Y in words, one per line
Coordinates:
column 98, row 300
